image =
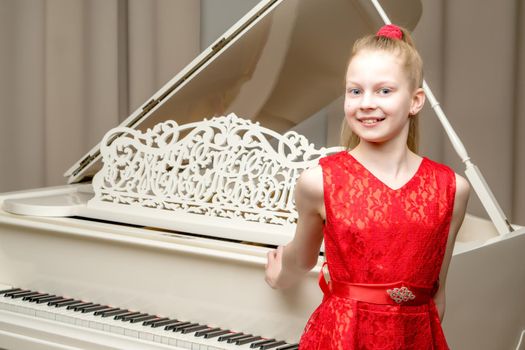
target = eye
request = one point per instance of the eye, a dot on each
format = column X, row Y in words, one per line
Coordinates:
column 354, row 91
column 384, row 91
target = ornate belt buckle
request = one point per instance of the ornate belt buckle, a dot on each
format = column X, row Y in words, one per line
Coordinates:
column 401, row 295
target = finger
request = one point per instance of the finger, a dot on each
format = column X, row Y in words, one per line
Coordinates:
column 279, row 252
column 269, row 256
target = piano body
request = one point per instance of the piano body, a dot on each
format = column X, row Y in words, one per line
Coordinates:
column 279, row 65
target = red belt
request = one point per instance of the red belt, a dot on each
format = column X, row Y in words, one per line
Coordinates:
column 398, row 293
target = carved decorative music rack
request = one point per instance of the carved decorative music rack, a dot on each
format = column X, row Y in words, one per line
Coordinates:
column 225, row 167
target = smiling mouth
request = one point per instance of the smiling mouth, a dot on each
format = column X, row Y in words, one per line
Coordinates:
column 371, row 121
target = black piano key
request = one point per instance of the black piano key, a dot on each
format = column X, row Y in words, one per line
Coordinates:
column 216, row 334
column 108, row 309
column 21, row 295
column 183, row 326
column 83, row 307
column 273, row 345
column 261, row 343
column 14, row 292
column 234, row 339
column 289, row 347
column 48, row 299
column 63, row 302
column 79, row 307
column 94, row 308
column 114, row 313
column 143, row 317
column 10, row 290
column 230, row 336
column 206, row 331
column 164, row 323
column 132, row 316
column 146, row 318
column 155, row 320
column 27, row 296
column 172, row 326
column 75, row 303
column 194, row 329
column 127, row 314
column 247, row 340
column 35, row 297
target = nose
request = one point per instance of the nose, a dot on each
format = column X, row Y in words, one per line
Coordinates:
column 368, row 101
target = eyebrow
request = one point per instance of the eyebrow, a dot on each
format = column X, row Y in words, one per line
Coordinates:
column 383, row 82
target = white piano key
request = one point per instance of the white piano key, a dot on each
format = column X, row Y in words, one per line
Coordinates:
column 117, row 330
column 175, row 342
column 131, row 333
column 82, row 323
column 27, row 311
column 68, row 319
column 96, row 325
column 109, row 325
column 54, row 333
column 19, row 307
column 146, row 336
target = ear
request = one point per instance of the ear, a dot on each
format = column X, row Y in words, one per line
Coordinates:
column 418, row 100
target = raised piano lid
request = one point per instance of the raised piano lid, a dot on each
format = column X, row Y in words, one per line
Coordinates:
column 278, row 65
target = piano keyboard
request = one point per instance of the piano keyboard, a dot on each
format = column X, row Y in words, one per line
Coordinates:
column 133, row 324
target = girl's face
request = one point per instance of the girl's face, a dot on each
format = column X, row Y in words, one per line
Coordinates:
column 379, row 97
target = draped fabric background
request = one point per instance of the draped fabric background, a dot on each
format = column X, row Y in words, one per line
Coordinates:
column 474, row 52
column 72, row 69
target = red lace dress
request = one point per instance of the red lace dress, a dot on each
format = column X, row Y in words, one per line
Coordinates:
column 375, row 235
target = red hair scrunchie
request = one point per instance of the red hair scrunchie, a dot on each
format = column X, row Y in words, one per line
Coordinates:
column 390, row 31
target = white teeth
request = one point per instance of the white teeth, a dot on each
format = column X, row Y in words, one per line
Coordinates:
column 371, row 121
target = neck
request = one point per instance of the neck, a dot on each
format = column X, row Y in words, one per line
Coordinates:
column 392, row 157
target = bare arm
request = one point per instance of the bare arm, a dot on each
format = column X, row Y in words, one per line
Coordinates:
column 460, row 205
column 286, row 265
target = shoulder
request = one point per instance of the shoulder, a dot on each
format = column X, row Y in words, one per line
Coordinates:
column 309, row 193
column 310, row 184
column 439, row 167
column 462, row 189
column 458, row 185
column 444, row 173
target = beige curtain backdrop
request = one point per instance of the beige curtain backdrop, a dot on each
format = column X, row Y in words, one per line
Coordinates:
column 72, row 69
column 474, row 52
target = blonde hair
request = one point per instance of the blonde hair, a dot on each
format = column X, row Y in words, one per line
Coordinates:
column 413, row 65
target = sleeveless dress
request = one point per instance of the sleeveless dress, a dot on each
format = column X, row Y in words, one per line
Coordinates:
column 374, row 234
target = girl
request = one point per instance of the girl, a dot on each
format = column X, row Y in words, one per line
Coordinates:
column 389, row 217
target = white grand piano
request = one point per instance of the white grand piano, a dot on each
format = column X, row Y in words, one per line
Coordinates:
column 159, row 239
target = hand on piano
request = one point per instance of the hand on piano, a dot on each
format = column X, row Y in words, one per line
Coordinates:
column 274, row 266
